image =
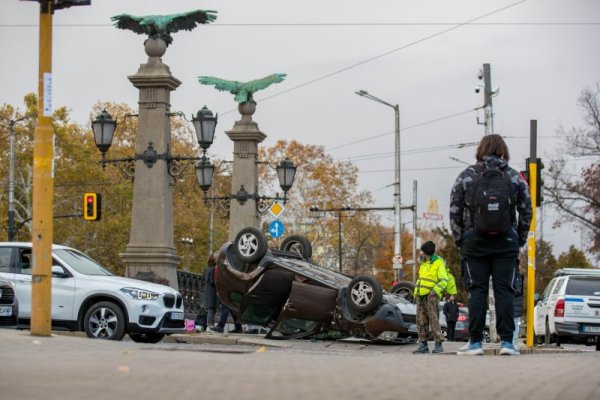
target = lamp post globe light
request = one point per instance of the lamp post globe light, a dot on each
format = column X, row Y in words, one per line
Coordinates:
column 104, row 129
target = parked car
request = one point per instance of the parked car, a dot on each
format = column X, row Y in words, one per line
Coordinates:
column 9, row 306
column 569, row 307
column 461, row 331
column 87, row 297
column 282, row 289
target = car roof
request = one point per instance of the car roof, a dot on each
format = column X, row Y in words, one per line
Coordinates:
column 28, row 244
column 577, row 271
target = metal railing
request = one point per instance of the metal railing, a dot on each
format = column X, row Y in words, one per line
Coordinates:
column 191, row 287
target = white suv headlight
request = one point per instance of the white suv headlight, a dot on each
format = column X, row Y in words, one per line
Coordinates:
column 140, row 294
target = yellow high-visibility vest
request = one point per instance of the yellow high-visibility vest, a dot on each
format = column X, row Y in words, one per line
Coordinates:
column 432, row 276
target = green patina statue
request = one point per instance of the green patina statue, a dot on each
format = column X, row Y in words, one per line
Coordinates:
column 243, row 90
column 161, row 26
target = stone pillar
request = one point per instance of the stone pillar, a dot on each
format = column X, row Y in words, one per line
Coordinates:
column 245, row 136
column 150, row 254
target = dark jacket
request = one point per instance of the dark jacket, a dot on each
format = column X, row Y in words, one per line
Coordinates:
column 451, row 311
column 460, row 218
column 518, row 298
column 210, row 290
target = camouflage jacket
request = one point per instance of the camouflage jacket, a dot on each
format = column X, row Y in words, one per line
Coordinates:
column 460, row 218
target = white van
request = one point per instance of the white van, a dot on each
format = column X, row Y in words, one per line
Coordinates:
column 569, row 307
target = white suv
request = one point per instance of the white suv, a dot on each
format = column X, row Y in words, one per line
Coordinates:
column 87, row 297
column 569, row 307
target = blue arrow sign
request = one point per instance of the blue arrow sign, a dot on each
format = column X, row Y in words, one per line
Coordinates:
column 276, row 229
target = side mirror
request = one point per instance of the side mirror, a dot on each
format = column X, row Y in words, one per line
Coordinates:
column 536, row 297
column 59, row 272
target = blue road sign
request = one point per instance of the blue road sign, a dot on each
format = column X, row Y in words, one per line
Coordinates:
column 276, row 229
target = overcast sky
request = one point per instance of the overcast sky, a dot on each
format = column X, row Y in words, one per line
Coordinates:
column 419, row 54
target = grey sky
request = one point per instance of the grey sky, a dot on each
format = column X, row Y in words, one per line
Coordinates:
column 542, row 53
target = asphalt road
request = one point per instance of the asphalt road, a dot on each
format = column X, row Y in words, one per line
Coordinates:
column 213, row 366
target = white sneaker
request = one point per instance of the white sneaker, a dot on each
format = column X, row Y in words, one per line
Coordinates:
column 471, row 349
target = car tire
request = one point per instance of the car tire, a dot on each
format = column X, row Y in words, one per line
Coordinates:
column 104, row 320
column 597, row 343
column 250, row 244
column 404, row 289
column 364, row 293
column 297, row 244
column 153, row 337
column 547, row 339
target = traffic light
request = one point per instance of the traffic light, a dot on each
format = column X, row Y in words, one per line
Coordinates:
column 539, row 196
column 92, row 206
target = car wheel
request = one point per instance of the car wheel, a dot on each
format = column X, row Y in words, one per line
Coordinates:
column 597, row 343
column 444, row 332
column 104, row 320
column 364, row 293
column 250, row 244
column 404, row 289
column 547, row 340
column 297, row 244
column 154, row 337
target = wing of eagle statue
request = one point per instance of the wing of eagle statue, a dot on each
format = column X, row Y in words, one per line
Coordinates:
column 242, row 90
column 161, row 26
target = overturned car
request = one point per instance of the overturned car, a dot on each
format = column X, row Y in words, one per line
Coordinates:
column 284, row 291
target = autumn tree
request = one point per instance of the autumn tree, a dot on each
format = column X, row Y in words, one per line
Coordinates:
column 328, row 184
column 573, row 185
column 573, row 258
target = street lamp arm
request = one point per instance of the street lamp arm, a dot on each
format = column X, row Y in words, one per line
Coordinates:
column 367, row 95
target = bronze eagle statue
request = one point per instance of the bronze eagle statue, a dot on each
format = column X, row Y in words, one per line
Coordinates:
column 161, row 26
column 242, row 90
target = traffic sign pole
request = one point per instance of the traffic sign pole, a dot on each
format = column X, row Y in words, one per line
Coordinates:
column 531, row 237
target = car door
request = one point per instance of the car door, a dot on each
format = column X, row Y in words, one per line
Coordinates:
column 540, row 310
column 555, row 294
column 63, row 293
column 22, row 280
column 308, row 309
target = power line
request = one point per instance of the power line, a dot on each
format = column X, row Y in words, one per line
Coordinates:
column 391, row 51
column 338, row 24
column 402, row 129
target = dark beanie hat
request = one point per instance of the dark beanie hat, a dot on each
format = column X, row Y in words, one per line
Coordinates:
column 428, row 248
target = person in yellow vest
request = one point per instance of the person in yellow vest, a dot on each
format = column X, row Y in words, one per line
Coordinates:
column 432, row 283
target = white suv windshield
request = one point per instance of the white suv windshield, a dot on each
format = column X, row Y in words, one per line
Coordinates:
column 584, row 286
column 81, row 263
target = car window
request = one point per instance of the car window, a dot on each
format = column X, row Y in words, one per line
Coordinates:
column 548, row 289
column 25, row 264
column 583, row 286
column 81, row 263
column 5, row 253
column 559, row 284
column 294, row 326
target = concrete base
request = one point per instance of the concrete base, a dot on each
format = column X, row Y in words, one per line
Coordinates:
column 151, row 263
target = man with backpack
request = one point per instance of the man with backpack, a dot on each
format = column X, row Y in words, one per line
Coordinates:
column 484, row 204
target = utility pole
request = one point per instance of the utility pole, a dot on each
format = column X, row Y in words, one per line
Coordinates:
column 397, row 259
column 485, row 74
column 531, row 237
column 43, row 182
column 414, row 209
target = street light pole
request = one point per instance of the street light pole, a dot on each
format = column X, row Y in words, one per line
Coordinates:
column 398, row 193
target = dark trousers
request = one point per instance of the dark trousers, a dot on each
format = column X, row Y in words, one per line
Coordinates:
column 225, row 311
column 450, row 328
column 476, row 276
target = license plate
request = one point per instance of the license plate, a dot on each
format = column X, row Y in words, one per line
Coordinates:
column 177, row 315
column 5, row 311
column 591, row 329
column 412, row 328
